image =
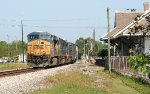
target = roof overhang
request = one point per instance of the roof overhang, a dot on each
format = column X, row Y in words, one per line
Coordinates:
column 131, row 25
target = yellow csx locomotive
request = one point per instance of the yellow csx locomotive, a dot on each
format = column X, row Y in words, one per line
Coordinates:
column 44, row 49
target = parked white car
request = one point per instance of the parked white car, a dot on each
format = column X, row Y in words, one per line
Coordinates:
column 5, row 60
column 1, row 60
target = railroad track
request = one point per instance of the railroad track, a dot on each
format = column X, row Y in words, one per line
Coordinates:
column 18, row 71
column 26, row 70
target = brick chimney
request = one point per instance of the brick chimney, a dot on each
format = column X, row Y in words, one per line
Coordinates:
column 146, row 6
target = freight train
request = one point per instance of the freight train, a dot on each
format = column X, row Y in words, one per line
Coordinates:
column 44, row 49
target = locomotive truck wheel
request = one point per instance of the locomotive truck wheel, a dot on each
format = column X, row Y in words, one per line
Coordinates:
column 62, row 61
column 55, row 61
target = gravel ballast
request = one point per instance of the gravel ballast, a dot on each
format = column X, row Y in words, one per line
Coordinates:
column 25, row 83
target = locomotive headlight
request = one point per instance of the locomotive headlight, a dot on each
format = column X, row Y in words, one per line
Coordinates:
column 43, row 52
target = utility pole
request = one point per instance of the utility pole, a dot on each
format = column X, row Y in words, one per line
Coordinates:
column 84, row 50
column 22, row 41
column 16, row 44
column 108, row 19
column 94, row 34
column 8, row 47
column 94, row 41
column 77, row 50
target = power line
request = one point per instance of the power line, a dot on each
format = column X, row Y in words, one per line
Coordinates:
column 46, row 26
column 51, row 20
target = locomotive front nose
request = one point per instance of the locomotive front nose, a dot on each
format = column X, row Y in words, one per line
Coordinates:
column 39, row 47
column 38, row 52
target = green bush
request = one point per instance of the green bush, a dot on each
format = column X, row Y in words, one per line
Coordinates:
column 138, row 62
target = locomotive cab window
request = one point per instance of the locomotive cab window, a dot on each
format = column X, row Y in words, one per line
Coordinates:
column 45, row 37
column 33, row 37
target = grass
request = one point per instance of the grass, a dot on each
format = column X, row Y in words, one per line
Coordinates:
column 71, row 89
column 114, row 85
column 135, row 83
column 99, row 82
column 10, row 66
column 71, row 83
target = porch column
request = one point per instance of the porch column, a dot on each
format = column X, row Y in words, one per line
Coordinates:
column 114, row 50
column 121, row 47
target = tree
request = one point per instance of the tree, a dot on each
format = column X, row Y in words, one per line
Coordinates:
column 3, row 49
column 103, row 53
column 9, row 49
column 80, row 44
column 91, row 49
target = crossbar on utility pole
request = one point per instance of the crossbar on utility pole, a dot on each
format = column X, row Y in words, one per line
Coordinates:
column 108, row 19
column 22, row 41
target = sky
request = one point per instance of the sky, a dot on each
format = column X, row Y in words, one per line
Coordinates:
column 68, row 19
